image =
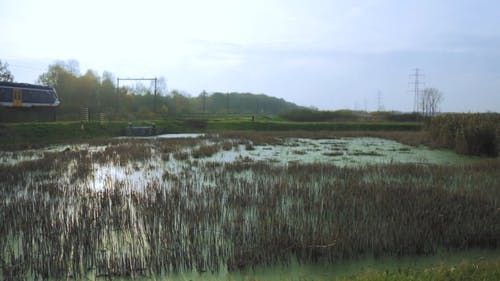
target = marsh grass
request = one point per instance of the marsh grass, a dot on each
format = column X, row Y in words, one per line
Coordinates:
column 238, row 215
column 365, row 153
column 249, row 146
column 205, row 150
column 414, row 138
column 181, row 155
column 472, row 134
column 333, row 154
column 467, row 270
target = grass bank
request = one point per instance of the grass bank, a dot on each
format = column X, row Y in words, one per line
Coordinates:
column 277, row 125
column 33, row 135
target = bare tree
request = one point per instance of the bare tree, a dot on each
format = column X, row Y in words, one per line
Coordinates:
column 430, row 99
column 5, row 74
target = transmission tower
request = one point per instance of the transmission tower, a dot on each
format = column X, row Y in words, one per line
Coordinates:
column 380, row 107
column 416, row 82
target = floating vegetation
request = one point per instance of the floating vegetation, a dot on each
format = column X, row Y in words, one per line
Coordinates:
column 127, row 209
column 333, row 154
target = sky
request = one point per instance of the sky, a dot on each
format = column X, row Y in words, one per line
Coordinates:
column 328, row 54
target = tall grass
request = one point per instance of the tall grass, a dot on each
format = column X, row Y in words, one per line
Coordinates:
column 473, row 134
column 211, row 216
column 468, row 270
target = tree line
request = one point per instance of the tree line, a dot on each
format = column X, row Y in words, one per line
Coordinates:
column 100, row 94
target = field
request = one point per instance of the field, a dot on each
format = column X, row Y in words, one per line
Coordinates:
column 31, row 135
column 225, row 204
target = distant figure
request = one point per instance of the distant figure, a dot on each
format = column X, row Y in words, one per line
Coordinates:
column 253, row 118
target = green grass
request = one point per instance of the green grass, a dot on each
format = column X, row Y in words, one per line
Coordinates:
column 32, row 135
column 480, row 270
column 276, row 125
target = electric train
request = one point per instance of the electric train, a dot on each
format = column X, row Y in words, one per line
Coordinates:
column 27, row 95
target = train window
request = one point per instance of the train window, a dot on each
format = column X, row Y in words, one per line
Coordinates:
column 7, row 94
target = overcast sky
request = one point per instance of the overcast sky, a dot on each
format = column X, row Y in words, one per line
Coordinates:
column 324, row 53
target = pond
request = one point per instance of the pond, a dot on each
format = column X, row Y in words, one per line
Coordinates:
column 342, row 152
column 215, row 208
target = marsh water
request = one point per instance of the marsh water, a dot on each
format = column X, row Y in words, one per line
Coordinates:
column 323, row 271
column 233, row 209
column 342, row 152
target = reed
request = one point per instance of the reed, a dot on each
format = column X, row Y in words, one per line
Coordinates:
column 473, row 134
column 205, row 216
column 205, row 150
column 467, row 270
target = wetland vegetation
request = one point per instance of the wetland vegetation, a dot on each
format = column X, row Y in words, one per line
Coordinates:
column 161, row 206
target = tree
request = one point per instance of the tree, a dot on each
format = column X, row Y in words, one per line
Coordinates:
column 430, row 101
column 204, row 101
column 63, row 80
column 108, row 98
column 87, row 89
column 179, row 103
column 161, row 87
column 5, row 74
column 57, row 74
